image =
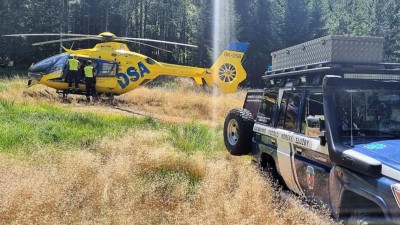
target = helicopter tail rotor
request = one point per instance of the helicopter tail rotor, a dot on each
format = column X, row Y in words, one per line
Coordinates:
column 227, row 71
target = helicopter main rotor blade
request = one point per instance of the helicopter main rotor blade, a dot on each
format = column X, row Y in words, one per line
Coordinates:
column 49, row 34
column 159, row 41
column 137, row 42
column 65, row 40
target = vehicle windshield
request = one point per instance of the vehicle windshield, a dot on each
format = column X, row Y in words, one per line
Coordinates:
column 367, row 113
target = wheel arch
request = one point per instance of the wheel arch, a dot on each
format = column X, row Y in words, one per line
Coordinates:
column 268, row 163
column 354, row 198
column 266, row 158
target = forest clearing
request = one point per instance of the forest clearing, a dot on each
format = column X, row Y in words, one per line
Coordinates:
column 126, row 118
column 89, row 164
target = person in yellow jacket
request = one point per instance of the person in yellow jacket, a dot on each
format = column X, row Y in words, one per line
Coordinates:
column 73, row 73
column 90, row 81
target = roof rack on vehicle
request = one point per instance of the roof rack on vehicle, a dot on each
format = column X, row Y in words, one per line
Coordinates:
column 337, row 67
column 333, row 54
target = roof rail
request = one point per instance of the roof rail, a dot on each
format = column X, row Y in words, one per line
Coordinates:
column 335, row 67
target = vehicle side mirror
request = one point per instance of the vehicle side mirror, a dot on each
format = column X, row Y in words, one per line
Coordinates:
column 312, row 129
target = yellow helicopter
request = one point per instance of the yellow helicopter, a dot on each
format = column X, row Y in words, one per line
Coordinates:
column 119, row 70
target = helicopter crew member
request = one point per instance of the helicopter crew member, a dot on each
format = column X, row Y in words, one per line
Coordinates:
column 73, row 73
column 89, row 80
column 81, row 70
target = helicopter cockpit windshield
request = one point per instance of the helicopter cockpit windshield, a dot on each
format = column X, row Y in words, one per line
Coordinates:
column 48, row 65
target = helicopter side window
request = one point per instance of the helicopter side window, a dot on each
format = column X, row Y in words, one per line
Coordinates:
column 106, row 69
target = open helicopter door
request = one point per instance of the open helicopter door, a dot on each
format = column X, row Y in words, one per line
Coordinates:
column 106, row 72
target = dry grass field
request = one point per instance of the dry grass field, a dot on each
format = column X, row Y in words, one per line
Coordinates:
column 171, row 168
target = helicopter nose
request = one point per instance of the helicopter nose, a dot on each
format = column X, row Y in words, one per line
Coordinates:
column 46, row 66
column 35, row 75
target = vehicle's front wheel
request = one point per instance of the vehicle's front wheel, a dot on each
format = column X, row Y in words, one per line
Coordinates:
column 362, row 217
column 238, row 130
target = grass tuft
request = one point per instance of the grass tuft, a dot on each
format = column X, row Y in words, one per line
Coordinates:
column 28, row 128
column 195, row 137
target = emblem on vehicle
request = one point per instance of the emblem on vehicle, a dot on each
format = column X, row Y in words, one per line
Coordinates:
column 310, row 177
column 375, row 146
column 227, row 72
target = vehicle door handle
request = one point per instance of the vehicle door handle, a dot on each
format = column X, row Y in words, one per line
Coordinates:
column 273, row 142
column 298, row 151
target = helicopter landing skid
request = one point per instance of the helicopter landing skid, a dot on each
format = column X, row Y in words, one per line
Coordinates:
column 65, row 96
column 111, row 98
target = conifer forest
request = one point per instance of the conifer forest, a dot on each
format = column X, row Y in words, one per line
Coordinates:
column 268, row 25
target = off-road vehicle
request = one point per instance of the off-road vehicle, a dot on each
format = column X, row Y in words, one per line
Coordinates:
column 327, row 125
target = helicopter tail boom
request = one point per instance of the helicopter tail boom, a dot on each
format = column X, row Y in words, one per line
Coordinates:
column 227, row 72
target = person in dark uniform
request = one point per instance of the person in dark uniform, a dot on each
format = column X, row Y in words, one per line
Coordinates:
column 73, row 74
column 90, row 81
column 81, row 70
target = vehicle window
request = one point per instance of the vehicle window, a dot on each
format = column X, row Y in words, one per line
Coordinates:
column 105, row 69
column 289, row 111
column 253, row 102
column 268, row 107
column 313, row 112
column 369, row 112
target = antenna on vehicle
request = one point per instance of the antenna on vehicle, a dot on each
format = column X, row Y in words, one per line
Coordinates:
column 351, row 119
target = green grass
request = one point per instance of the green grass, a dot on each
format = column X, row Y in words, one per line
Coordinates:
column 3, row 86
column 7, row 84
column 28, row 128
column 194, row 137
column 25, row 128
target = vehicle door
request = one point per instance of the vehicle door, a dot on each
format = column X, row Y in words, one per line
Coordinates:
column 287, row 126
column 106, row 71
column 311, row 159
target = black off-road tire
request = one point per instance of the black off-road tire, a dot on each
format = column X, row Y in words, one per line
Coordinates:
column 362, row 217
column 238, row 131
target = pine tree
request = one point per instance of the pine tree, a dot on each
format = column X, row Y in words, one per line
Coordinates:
column 296, row 26
column 317, row 24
